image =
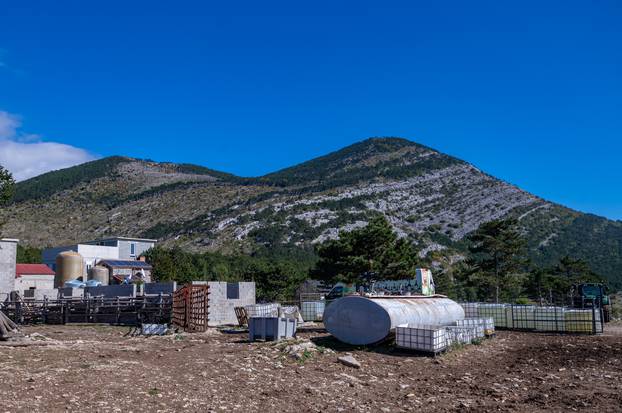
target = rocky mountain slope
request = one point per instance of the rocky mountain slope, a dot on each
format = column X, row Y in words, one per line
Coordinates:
column 431, row 197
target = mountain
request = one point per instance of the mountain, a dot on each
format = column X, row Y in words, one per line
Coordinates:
column 431, row 197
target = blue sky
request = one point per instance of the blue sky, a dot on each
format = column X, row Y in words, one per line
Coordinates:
column 530, row 92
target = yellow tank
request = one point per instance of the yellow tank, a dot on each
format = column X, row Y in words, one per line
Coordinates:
column 99, row 273
column 69, row 266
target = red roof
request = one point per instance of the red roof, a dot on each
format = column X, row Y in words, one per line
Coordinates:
column 32, row 269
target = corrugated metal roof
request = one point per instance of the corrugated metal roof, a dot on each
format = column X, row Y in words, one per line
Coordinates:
column 125, row 264
column 32, row 269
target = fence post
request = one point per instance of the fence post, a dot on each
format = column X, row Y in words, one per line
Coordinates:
column 66, row 311
column 87, row 309
column 45, row 310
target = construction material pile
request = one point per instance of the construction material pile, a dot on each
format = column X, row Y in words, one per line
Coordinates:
column 6, row 326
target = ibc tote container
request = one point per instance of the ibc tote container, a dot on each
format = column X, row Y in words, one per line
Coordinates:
column 470, row 310
column 488, row 324
column 431, row 339
column 463, row 334
column 498, row 312
column 312, row 310
column 582, row 321
column 521, row 317
column 550, row 319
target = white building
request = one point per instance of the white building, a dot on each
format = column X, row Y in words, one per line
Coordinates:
column 33, row 276
column 118, row 248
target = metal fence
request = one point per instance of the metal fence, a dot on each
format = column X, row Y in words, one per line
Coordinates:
column 118, row 310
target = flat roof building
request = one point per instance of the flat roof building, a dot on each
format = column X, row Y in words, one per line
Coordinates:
column 112, row 248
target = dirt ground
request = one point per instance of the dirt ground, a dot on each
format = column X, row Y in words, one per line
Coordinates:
column 98, row 368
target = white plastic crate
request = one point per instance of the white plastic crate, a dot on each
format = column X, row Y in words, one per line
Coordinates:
column 262, row 310
column 431, row 339
column 312, row 310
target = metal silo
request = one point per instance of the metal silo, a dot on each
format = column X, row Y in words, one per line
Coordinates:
column 366, row 320
column 69, row 266
column 99, row 273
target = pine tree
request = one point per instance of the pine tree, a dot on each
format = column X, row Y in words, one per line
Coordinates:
column 498, row 253
column 374, row 251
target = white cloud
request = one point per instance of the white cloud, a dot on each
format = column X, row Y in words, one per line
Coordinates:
column 26, row 156
column 8, row 125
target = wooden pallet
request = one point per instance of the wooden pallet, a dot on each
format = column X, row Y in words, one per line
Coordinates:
column 240, row 313
column 190, row 307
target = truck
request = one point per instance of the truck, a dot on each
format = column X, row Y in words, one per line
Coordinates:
column 589, row 295
column 421, row 284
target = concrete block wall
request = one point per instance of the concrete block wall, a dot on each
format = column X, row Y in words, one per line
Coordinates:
column 224, row 297
column 41, row 293
column 8, row 256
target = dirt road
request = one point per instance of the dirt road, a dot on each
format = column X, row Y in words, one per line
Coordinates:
column 96, row 368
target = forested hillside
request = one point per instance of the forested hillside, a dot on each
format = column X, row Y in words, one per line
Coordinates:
column 432, row 199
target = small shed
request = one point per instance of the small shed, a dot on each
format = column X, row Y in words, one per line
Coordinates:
column 33, row 276
column 121, row 269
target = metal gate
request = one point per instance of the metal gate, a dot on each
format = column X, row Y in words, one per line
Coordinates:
column 190, row 304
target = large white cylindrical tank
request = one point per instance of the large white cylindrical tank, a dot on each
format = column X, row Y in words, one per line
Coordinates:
column 69, row 266
column 99, row 273
column 366, row 320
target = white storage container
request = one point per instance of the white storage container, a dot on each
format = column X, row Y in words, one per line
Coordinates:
column 498, row 312
column 271, row 328
column 431, row 339
column 312, row 310
column 521, row 317
column 550, row 319
column 582, row 321
column 262, row 310
column 470, row 310
column 463, row 334
column 487, row 324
